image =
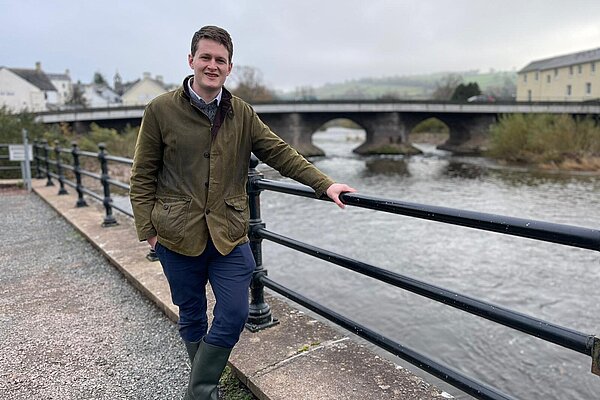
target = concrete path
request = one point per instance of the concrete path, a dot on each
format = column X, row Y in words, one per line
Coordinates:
column 301, row 358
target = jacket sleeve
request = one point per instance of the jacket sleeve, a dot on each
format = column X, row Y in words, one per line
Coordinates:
column 146, row 164
column 274, row 151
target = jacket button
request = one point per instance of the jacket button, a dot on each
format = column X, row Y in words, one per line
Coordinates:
column 207, row 212
column 166, row 206
column 206, row 154
column 206, row 184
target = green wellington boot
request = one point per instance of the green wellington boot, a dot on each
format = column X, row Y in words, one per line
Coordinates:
column 192, row 349
column 209, row 363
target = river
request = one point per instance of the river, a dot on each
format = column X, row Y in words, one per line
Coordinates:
column 551, row 282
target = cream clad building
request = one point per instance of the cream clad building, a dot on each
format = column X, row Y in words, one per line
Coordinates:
column 571, row 77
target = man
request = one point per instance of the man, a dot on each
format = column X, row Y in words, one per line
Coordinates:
column 188, row 192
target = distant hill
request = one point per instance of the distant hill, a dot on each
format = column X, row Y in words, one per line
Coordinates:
column 501, row 84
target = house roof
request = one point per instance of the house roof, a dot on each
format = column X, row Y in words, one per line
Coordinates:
column 563, row 61
column 35, row 77
column 59, row 77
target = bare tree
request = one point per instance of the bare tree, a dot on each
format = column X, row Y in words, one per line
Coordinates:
column 446, row 86
column 248, row 84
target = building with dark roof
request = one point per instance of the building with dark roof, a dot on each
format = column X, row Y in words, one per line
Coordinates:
column 24, row 89
column 570, row 77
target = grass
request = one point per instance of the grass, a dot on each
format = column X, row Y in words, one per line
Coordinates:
column 232, row 389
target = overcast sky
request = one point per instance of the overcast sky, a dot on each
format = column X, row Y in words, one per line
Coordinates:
column 294, row 43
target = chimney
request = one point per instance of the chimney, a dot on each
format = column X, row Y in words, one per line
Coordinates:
column 159, row 78
column 147, row 75
column 67, row 72
column 38, row 66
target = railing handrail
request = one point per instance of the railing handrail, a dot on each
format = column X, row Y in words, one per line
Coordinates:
column 568, row 235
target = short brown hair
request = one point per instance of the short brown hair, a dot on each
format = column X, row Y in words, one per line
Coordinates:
column 216, row 34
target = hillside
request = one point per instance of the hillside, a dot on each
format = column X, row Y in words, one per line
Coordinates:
column 501, row 84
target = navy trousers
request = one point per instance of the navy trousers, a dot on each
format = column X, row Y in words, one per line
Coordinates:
column 229, row 277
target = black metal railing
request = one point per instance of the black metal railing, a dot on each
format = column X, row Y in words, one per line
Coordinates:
column 49, row 164
column 260, row 314
column 8, row 168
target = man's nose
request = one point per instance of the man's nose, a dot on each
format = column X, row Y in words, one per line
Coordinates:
column 212, row 63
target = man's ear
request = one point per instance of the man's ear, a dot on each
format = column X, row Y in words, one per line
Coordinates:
column 191, row 61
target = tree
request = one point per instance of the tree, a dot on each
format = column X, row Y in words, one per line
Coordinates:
column 445, row 87
column 305, row 93
column 99, row 79
column 507, row 91
column 463, row 92
column 77, row 99
column 248, row 85
column 11, row 126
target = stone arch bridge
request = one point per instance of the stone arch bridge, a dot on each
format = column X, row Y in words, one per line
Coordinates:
column 387, row 124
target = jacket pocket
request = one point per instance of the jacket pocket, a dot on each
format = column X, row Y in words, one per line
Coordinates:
column 237, row 214
column 170, row 216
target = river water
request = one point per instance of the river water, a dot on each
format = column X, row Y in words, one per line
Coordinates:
column 551, row 282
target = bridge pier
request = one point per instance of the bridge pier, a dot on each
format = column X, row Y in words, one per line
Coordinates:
column 469, row 134
column 387, row 133
column 297, row 130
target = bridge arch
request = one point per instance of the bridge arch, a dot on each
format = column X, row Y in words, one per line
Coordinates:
column 339, row 134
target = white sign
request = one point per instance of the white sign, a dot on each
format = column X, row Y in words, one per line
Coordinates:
column 16, row 152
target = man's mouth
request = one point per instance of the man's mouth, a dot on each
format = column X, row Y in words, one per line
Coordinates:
column 211, row 75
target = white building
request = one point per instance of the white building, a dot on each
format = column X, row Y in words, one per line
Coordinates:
column 99, row 96
column 63, row 85
column 143, row 90
column 26, row 89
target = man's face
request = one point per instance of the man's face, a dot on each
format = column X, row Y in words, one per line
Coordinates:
column 211, row 67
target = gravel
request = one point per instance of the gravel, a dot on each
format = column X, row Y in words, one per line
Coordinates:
column 71, row 326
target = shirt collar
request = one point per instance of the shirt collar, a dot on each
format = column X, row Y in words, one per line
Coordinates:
column 197, row 96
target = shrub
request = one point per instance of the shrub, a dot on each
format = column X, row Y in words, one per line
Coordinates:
column 544, row 138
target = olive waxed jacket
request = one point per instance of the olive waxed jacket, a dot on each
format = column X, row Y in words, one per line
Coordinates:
column 188, row 179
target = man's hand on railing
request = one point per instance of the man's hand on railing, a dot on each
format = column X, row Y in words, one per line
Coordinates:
column 334, row 191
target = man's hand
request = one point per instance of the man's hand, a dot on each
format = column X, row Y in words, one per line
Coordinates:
column 152, row 241
column 334, row 191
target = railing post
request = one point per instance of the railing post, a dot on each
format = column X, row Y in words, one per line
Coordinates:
column 77, row 171
column 59, row 171
column 37, row 157
column 109, row 219
column 260, row 316
column 47, row 161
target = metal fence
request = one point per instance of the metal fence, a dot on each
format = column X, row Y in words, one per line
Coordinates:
column 8, row 168
column 49, row 164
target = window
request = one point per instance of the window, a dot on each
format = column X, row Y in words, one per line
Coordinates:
column 569, row 90
column 547, row 78
column 537, row 75
column 529, row 95
column 525, row 77
column 579, row 69
column 593, row 67
column 588, row 88
column 571, row 70
column 555, row 71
